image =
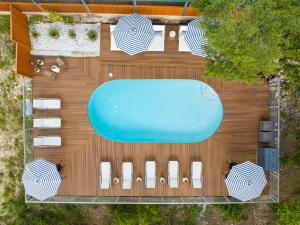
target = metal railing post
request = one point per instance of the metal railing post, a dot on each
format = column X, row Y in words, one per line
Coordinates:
column 86, row 6
column 186, row 4
column 38, row 5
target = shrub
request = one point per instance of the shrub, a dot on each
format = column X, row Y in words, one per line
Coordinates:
column 37, row 19
column 35, row 34
column 53, row 33
column 72, row 34
column 7, row 51
column 60, row 18
column 92, row 35
column 231, row 212
column 4, row 24
column 288, row 213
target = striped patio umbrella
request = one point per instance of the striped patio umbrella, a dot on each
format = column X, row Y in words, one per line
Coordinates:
column 133, row 34
column 41, row 179
column 246, row 181
column 195, row 37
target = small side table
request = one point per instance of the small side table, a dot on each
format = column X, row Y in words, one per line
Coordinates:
column 162, row 180
column 185, row 180
column 172, row 34
column 116, row 180
column 55, row 69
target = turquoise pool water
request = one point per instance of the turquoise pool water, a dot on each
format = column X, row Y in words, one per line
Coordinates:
column 155, row 111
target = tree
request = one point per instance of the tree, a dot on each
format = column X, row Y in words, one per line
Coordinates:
column 248, row 39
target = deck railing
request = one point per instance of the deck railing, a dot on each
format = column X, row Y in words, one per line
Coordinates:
column 273, row 177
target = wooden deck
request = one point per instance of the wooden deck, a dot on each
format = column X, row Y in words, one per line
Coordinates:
column 83, row 150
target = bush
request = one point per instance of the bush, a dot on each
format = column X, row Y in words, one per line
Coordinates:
column 72, row 34
column 92, row 35
column 288, row 213
column 38, row 19
column 35, row 34
column 60, row 18
column 4, row 24
column 135, row 214
column 53, row 33
column 7, row 51
column 231, row 212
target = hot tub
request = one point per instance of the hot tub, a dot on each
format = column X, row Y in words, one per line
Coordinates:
column 155, row 111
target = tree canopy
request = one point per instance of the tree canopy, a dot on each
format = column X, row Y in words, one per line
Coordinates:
column 250, row 39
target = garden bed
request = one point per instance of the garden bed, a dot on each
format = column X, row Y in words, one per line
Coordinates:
column 59, row 39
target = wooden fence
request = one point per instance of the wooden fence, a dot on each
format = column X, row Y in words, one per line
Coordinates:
column 19, row 33
column 99, row 8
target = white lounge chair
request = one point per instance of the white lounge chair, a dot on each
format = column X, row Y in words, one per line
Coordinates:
column 46, row 103
column 150, row 174
column 127, row 171
column 196, row 170
column 47, row 123
column 47, row 141
column 183, row 45
column 158, row 43
column 105, row 175
column 173, row 174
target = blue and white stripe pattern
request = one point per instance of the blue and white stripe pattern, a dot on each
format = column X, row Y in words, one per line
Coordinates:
column 195, row 37
column 133, row 34
column 246, row 181
column 41, row 179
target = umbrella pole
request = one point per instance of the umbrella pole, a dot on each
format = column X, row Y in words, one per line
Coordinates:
column 135, row 7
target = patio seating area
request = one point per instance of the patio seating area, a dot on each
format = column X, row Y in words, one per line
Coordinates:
column 82, row 151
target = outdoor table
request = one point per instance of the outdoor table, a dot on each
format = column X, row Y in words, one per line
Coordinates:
column 172, row 34
column 55, row 69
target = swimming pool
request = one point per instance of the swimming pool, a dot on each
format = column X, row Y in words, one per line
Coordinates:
column 155, row 111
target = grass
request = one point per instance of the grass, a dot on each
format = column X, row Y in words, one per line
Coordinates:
column 54, row 33
column 92, row 35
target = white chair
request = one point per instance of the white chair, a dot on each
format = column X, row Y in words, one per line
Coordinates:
column 150, row 174
column 127, row 171
column 47, row 123
column 183, row 45
column 46, row 103
column 47, row 141
column 157, row 44
column 173, row 174
column 196, row 170
column 105, row 175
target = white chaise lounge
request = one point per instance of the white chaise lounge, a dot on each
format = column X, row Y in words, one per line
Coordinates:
column 173, row 174
column 157, row 45
column 127, row 171
column 150, row 174
column 46, row 103
column 47, row 141
column 47, row 123
column 183, row 45
column 196, row 170
column 105, row 175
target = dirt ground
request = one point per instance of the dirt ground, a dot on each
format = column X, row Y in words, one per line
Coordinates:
column 254, row 214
